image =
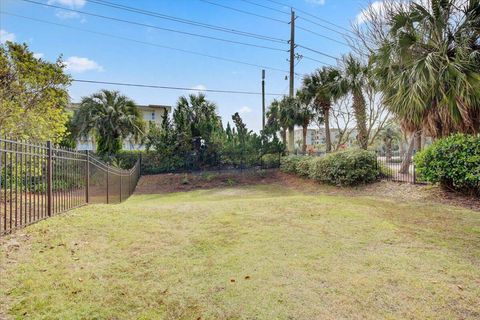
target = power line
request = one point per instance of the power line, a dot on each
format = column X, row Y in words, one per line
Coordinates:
column 173, row 88
column 319, row 61
column 325, row 27
column 264, row 6
column 267, row 7
column 318, row 52
column 311, row 15
column 156, row 27
column 323, row 36
column 187, row 21
column 146, row 43
column 244, row 11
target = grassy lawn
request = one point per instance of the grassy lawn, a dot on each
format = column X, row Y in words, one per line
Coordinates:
column 262, row 252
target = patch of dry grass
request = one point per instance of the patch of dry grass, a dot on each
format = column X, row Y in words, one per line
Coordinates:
column 263, row 252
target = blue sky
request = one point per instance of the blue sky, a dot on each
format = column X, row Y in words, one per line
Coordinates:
column 96, row 57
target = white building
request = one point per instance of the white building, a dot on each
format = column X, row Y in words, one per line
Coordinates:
column 151, row 113
column 316, row 137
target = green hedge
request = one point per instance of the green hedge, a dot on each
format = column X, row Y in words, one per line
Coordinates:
column 271, row 160
column 453, row 162
column 289, row 163
column 343, row 168
column 304, row 165
column 153, row 162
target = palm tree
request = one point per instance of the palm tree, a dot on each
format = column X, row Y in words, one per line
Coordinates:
column 289, row 117
column 390, row 134
column 305, row 114
column 274, row 124
column 196, row 118
column 428, row 68
column 317, row 88
column 112, row 117
column 353, row 79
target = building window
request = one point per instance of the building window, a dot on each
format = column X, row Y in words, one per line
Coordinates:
column 153, row 115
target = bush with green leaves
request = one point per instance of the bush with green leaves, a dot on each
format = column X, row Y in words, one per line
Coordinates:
column 304, row 165
column 288, row 164
column 453, row 162
column 271, row 160
column 346, row 168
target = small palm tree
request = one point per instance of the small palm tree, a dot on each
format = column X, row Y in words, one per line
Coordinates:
column 390, row 134
column 318, row 90
column 112, row 117
column 274, row 124
column 305, row 115
column 353, row 79
column 289, row 117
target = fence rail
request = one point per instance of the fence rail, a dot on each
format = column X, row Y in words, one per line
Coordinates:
column 398, row 166
column 39, row 180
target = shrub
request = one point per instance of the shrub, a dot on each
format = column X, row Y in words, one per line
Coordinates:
column 288, row 164
column 304, row 165
column 271, row 160
column 453, row 162
column 346, row 168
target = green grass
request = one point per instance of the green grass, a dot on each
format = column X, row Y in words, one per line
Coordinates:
column 264, row 252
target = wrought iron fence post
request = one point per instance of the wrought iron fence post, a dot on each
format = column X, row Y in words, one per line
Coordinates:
column 49, row 178
column 87, row 178
column 120, row 187
column 413, row 165
column 107, row 187
column 140, row 163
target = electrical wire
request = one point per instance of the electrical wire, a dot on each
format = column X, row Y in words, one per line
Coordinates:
column 311, row 15
column 173, row 88
column 264, row 6
column 147, row 43
column 186, row 21
column 319, row 61
column 318, row 52
column 321, row 35
column 244, row 11
column 156, row 27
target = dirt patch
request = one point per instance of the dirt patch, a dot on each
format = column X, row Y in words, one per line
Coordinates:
column 167, row 183
column 179, row 182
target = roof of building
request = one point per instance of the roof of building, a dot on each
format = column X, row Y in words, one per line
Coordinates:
column 75, row 105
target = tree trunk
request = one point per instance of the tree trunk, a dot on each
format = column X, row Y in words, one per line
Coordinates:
column 418, row 141
column 407, row 159
column 283, row 132
column 304, row 133
column 388, row 147
column 326, row 120
column 291, row 138
column 361, row 118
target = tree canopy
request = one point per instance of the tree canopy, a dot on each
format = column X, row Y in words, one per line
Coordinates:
column 33, row 95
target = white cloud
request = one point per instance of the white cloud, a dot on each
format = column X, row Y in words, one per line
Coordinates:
column 6, row 36
column 317, row 2
column 377, row 6
column 69, row 3
column 79, row 64
column 200, row 88
column 244, row 109
column 38, row 55
column 64, row 15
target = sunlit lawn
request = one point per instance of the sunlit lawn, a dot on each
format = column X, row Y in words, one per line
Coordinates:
column 264, row 252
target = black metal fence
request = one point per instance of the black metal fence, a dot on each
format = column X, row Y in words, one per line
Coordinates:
column 38, row 181
column 398, row 166
column 156, row 163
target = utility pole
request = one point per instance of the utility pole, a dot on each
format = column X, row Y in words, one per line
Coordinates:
column 263, row 99
column 292, row 51
column 291, row 134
